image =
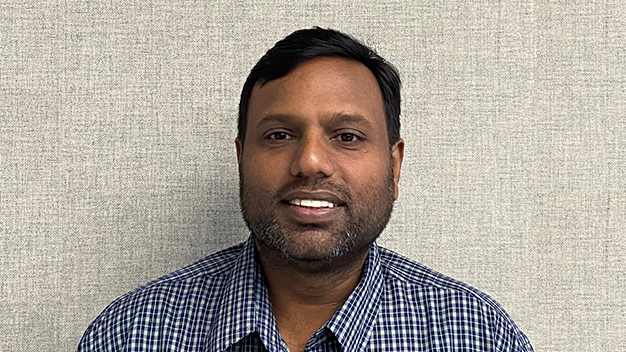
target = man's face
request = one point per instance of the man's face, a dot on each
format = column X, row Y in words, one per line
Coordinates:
column 317, row 176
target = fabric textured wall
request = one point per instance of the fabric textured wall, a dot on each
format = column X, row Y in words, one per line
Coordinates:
column 117, row 161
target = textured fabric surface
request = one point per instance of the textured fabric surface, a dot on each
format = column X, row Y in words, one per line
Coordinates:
column 117, row 163
column 221, row 304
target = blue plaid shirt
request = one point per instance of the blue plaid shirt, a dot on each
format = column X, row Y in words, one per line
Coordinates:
column 221, row 304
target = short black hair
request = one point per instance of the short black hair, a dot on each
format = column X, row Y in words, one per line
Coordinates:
column 307, row 44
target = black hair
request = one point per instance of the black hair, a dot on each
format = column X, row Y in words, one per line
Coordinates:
column 307, row 44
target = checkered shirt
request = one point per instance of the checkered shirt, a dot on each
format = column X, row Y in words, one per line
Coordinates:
column 221, row 303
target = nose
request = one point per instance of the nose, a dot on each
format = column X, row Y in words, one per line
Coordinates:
column 312, row 158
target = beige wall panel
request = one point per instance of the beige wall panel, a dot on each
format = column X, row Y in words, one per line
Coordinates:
column 117, row 163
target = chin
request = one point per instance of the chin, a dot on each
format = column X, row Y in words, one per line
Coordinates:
column 314, row 245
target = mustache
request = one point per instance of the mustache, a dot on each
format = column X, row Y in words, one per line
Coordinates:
column 312, row 185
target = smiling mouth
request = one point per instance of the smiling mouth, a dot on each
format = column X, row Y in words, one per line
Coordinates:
column 312, row 203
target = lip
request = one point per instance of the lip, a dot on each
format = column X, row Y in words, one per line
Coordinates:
column 310, row 215
column 314, row 195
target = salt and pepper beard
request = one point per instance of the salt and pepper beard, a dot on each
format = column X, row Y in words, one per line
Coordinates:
column 366, row 218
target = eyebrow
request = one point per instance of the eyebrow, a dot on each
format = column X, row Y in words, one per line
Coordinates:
column 351, row 118
column 275, row 118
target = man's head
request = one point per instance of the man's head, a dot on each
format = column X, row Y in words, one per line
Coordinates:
column 306, row 44
column 322, row 155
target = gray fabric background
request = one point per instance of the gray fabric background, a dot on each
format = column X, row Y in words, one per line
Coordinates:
column 117, row 162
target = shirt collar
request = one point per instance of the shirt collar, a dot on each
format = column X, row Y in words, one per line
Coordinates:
column 353, row 322
column 245, row 307
column 236, row 317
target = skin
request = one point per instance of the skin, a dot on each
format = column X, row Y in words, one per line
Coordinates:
column 317, row 133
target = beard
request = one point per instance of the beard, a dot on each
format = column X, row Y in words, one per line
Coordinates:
column 316, row 247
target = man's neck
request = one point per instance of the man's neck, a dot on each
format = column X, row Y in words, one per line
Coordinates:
column 303, row 301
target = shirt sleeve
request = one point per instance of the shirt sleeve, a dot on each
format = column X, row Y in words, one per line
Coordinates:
column 110, row 329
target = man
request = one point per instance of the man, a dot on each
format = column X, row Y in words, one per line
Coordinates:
column 319, row 154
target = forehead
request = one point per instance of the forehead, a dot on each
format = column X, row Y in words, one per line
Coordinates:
column 318, row 87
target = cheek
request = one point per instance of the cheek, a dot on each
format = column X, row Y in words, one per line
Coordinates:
column 262, row 173
column 367, row 175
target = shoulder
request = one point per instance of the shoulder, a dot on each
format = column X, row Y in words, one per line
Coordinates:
column 447, row 302
column 400, row 269
column 210, row 270
column 194, row 289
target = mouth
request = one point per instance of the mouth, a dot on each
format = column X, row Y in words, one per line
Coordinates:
column 312, row 203
column 313, row 207
column 315, row 199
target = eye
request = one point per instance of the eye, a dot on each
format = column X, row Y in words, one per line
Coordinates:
column 348, row 137
column 278, row 136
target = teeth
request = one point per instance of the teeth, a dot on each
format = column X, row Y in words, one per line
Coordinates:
column 312, row 203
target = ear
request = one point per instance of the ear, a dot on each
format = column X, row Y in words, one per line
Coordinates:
column 397, row 154
column 239, row 148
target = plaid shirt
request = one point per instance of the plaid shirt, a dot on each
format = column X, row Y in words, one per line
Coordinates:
column 221, row 304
